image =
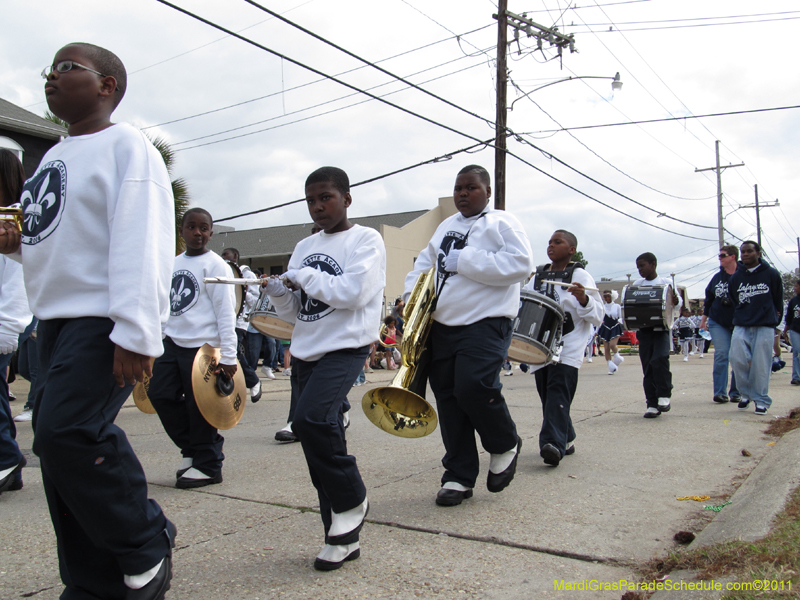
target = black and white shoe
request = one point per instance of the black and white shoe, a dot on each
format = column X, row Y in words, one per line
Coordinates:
column 332, row 557
column 550, row 454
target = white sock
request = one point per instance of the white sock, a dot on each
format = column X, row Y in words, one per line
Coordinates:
column 288, row 427
column 186, row 463
column 663, row 401
column 452, row 485
column 617, row 359
column 337, row 554
column 195, row 474
column 346, row 418
column 348, row 520
column 136, row 582
column 6, row 472
column 499, row 462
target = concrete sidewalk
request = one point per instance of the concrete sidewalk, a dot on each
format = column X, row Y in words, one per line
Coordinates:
column 606, row 508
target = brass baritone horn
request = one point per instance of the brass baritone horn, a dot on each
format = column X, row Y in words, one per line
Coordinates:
column 12, row 215
column 401, row 408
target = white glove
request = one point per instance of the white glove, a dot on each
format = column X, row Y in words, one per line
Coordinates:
column 451, row 261
column 275, row 287
column 8, row 342
column 291, row 277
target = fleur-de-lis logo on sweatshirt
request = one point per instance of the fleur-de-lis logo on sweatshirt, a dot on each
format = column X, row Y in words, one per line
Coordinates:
column 183, row 292
column 43, row 200
column 36, row 205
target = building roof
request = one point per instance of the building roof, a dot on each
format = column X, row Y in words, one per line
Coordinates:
column 15, row 118
column 278, row 241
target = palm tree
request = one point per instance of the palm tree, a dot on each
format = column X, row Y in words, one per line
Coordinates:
column 180, row 189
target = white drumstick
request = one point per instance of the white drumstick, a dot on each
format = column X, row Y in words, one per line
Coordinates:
column 231, row 280
column 562, row 284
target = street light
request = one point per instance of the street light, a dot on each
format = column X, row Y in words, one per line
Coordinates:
column 616, row 85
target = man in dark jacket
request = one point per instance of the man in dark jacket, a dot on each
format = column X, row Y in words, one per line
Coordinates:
column 757, row 293
column 718, row 318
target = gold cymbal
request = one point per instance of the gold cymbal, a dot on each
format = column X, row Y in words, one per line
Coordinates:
column 140, row 391
column 221, row 407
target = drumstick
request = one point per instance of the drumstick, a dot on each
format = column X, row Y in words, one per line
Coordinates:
column 562, row 284
column 231, row 280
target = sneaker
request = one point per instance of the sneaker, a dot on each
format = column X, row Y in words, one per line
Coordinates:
column 721, row 399
column 550, row 454
column 288, row 372
column 692, row 353
column 612, row 367
column 508, row 373
column 761, row 410
column 25, row 415
column 743, row 404
column 255, row 392
column 589, row 359
column 570, row 448
column 507, row 365
column 523, row 367
column 795, row 381
column 663, row 404
column 286, row 434
column 736, row 399
column 268, row 373
column 685, row 359
column 652, row 412
column 701, row 355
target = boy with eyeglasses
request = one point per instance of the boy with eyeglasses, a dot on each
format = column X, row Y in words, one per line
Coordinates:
column 97, row 244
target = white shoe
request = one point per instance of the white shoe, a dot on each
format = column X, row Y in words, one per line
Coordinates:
column 508, row 373
column 589, row 359
column 692, row 353
column 701, row 355
column 268, row 373
column 618, row 359
column 333, row 557
column 685, row 359
column 663, row 404
column 255, row 392
column 612, row 368
column 652, row 412
column 288, row 372
column 25, row 415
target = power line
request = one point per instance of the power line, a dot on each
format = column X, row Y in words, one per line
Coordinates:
column 618, row 23
column 442, row 158
column 685, row 118
column 695, row 25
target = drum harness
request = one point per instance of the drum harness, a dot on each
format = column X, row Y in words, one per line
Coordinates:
column 549, row 291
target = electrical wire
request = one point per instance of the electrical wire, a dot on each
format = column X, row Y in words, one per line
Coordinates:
column 618, row 23
column 441, row 158
column 615, row 30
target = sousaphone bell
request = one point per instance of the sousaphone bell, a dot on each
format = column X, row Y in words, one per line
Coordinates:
column 400, row 408
column 220, row 399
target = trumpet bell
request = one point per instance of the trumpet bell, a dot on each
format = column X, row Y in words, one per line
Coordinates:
column 13, row 215
column 400, row 412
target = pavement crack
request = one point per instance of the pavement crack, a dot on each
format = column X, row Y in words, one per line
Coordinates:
column 39, row 591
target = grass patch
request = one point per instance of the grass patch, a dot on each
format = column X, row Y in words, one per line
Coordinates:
column 773, row 558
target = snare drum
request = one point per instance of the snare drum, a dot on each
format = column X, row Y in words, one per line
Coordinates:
column 265, row 319
column 240, row 293
column 647, row 306
column 537, row 329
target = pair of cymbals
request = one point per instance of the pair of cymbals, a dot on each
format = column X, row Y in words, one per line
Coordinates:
column 221, row 400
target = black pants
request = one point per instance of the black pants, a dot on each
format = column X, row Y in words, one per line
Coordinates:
column 322, row 388
column 465, row 378
column 250, row 377
column 556, row 385
column 654, row 354
column 95, row 486
column 172, row 396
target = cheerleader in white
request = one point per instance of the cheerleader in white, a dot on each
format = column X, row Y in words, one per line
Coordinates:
column 684, row 325
column 610, row 330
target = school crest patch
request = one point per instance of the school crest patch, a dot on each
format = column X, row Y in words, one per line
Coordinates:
column 43, row 199
column 183, row 293
column 310, row 308
column 451, row 239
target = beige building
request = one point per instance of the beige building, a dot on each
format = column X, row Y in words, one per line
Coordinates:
column 405, row 234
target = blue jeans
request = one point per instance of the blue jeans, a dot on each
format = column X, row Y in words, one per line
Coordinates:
column 795, row 339
column 721, row 336
column 10, row 455
column 751, row 359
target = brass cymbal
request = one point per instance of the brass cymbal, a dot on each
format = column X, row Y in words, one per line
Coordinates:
column 140, row 391
column 222, row 407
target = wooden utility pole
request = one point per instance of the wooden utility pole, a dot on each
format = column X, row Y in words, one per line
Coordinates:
column 500, row 120
column 718, row 169
column 798, row 255
column 505, row 18
column 758, row 208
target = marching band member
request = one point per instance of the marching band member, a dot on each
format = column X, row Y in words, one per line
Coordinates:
column 654, row 344
column 610, row 331
column 98, row 243
column 336, row 278
column 199, row 314
column 481, row 256
column 583, row 310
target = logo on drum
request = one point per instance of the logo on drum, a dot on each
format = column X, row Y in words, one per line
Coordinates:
column 183, row 293
column 310, row 308
column 43, row 199
column 451, row 239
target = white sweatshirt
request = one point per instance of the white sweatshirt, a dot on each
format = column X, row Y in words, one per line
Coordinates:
column 660, row 281
column 98, row 237
column 341, row 276
column 252, row 292
column 15, row 314
column 199, row 313
column 496, row 259
column 580, row 318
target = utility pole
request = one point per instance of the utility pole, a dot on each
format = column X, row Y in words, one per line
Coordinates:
column 500, row 120
column 505, row 18
column 719, row 170
column 798, row 255
column 758, row 206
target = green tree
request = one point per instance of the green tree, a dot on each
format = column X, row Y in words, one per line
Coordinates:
column 578, row 257
column 180, row 190
column 54, row 119
column 788, row 286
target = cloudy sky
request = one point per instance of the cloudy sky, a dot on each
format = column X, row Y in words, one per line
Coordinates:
column 249, row 125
